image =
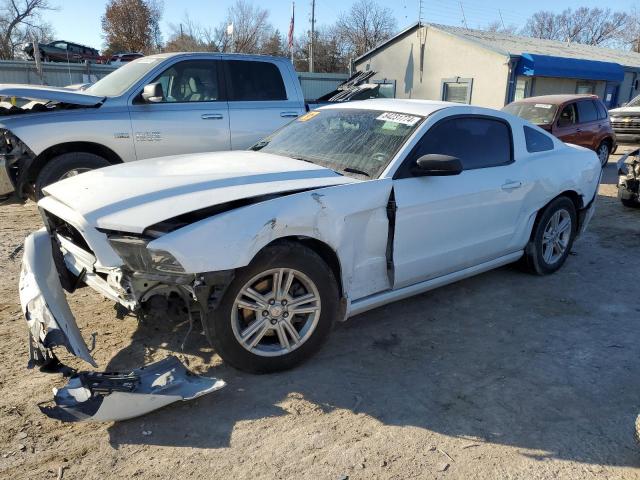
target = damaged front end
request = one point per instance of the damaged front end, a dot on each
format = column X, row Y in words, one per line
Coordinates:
column 629, row 179
column 52, row 260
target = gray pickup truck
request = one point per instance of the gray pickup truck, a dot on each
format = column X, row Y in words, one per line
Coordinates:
column 155, row 106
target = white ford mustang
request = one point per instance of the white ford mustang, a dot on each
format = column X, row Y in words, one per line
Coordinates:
column 345, row 209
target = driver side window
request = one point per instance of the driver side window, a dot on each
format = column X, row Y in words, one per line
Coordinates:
column 190, row 81
column 568, row 116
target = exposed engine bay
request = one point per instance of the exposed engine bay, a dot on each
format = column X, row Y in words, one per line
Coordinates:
column 629, row 179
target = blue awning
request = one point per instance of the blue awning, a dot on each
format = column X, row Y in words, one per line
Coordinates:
column 532, row 64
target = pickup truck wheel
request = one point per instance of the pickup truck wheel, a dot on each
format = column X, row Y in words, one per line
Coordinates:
column 603, row 152
column 277, row 311
column 552, row 237
column 65, row 166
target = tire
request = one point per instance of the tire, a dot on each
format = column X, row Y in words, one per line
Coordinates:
column 627, row 202
column 637, row 430
column 230, row 322
column 63, row 165
column 603, row 151
column 536, row 259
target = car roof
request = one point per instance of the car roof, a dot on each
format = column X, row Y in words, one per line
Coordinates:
column 557, row 99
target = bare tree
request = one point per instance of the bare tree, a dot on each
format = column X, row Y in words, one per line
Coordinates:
column 498, row 27
column 591, row 26
column 132, row 26
column 189, row 36
column 251, row 28
column 21, row 21
column 364, row 26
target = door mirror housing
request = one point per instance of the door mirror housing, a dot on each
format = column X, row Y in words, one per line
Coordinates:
column 437, row 165
column 153, row 93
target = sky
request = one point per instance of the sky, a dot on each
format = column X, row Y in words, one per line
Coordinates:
column 79, row 20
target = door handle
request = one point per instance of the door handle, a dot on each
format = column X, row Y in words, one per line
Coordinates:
column 289, row 114
column 511, row 185
column 211, row 116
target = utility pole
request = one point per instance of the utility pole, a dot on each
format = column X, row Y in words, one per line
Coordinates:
column 501, row 20
column 313, row 33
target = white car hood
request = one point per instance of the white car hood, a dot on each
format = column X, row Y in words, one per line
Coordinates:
column 135, row 195
column 53, row 94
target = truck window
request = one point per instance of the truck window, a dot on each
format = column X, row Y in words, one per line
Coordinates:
column 255, row 81
column 190, row 81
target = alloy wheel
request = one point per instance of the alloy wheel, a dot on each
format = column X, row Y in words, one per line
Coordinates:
column 556, row 236
column 275, row 312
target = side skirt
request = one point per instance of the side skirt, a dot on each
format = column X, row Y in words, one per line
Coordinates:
column 374, row 301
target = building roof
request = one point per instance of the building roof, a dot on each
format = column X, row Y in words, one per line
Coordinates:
column 516, row 45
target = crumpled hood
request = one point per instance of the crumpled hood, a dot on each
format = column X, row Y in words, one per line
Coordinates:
column 135, row 195
column 53, row 94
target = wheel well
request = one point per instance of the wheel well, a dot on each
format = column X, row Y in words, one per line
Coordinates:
column 89, row 147
column 608, row 141
column 572, row 195
column 327, row 254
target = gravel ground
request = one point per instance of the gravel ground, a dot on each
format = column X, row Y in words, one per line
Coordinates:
column 504, row 375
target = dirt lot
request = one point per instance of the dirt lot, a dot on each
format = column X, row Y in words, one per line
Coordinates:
column 504, row 376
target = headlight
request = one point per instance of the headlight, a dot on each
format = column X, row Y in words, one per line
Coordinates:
column 134, row 253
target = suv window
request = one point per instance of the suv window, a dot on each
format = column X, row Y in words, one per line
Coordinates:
column 602, row 110
column 250, row 80
column 587, row 111
column 190, row 81
column 537, row 141
column 568, row 116
column 478, row 142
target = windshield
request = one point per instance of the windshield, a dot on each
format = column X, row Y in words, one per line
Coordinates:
column 360, row 142
column 634, row 103
column 537, row 113
column 122, row 79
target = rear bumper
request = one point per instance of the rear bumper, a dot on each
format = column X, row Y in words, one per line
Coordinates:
column 627, row 137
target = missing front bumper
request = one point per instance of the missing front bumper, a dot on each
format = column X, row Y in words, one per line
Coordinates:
column 91, row 396
column 100, row 397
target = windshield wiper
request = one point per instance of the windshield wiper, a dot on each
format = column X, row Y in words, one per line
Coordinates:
column 356, row 171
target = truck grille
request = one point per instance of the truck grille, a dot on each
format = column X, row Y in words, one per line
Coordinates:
column 66, row 230
column 626, row 125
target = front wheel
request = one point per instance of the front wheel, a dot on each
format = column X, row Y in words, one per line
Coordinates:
column 552, row 237
column 65, row 166
column 277, row 311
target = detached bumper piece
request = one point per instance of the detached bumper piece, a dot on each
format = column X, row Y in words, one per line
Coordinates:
column 103, row 397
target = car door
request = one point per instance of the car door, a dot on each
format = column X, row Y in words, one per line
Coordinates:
column 566, row 127
column 192, row 115
column 447, row 223
column 259, row 101
column 589, row 125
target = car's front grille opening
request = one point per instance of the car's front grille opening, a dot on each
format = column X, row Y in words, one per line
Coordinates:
column 66, row 230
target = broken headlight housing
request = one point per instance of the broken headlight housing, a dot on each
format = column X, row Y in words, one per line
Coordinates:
column 138, row 258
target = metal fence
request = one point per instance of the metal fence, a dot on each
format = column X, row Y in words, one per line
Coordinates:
column 314, row 85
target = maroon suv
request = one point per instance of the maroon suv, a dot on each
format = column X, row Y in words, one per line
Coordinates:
column 579, row 119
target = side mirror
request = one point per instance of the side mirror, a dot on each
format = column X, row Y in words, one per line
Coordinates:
column 153, row 93
column 436, row 165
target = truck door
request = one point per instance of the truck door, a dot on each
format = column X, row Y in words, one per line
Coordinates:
column 192, row 115
column 261, row 100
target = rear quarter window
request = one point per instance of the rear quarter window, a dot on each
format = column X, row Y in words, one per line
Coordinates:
column 537, row 141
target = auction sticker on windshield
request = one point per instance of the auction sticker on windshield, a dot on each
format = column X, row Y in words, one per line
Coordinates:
column 308, row 116
column 543, row 105
column 399, row 118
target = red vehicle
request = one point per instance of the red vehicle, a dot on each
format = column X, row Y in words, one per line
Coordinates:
column 578, row 119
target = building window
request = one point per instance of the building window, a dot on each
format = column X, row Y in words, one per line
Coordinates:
column 586, row 88
column 457, row 90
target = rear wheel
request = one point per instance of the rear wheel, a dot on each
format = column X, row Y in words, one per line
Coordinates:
column 552, row 237
column 65, row 166
column 603, row 151
column 277, row 311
